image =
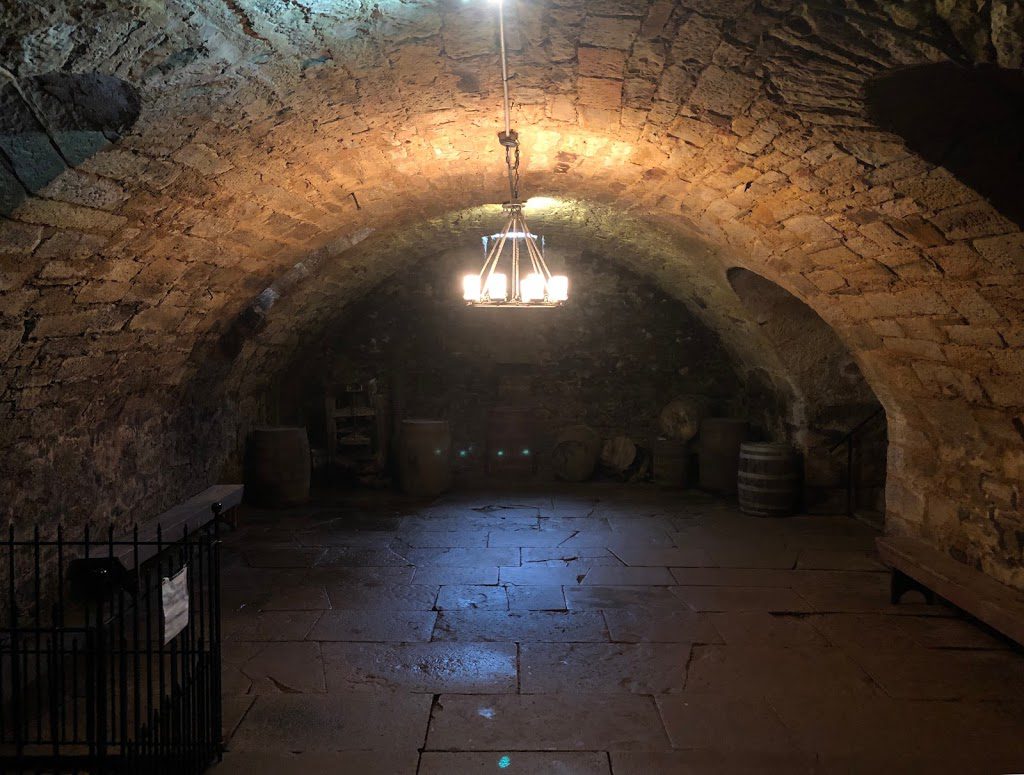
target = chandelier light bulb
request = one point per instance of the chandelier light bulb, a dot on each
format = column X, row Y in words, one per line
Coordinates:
column 515, row 246
column 532, row 287
column 471, row 287
column 558, row 288
column 497, row 287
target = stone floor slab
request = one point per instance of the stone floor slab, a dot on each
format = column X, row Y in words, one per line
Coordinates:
column 776, row 671
column 839, row 559
column 531, row 537
column 521, row 626
column 597, row 597
column 833, row 672
column 456, row 596
column 348, row 537
column 272, row 667
column 640, row 576
column 652, row 668
column 878, row 632
column 541, row 575
column 371, row 625
column 455, row 574
column 545, row 722
column 660, row 625
column 716, row 762
column 535, row 598
column 715, row 721
column 357, row 557
column 604, row 538
column 462, row 557
column 365, row 721
column 942, row 632
column 466, row 668
column 300, row 597
column 282, row 556
column 443, row 763
column 579, row 557
column 731, row 553
column 732, row 577
column 677, row 556
column 742, row 599
column 383, row 597
column 944, row 674
column 428, row 539
column 757, row 628
column 361, row 762
column 233, row 710
column 856, row 730
column 268, row 625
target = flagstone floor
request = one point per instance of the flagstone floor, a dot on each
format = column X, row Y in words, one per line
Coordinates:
column 594, row 629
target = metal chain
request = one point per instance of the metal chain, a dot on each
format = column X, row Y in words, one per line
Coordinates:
column 508, row 138
column 512, row 161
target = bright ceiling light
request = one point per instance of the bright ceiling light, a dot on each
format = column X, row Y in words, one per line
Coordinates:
column 532, row 284
column 542, row 203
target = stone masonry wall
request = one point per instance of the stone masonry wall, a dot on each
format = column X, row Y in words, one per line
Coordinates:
column 287, row 147
column 611, row 358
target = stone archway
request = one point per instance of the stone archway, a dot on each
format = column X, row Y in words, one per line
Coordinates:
column 263, row 144
column 834, row 397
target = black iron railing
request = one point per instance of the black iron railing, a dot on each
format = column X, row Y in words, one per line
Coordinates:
column 110, row 653
column 849, row 440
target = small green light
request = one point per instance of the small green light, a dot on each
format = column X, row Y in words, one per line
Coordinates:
column 462, row 453
column 526, row 452
column 501, row 453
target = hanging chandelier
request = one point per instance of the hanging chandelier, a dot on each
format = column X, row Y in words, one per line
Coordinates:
column 532, row 284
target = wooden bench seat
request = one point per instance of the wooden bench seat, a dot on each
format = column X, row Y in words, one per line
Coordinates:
column 997, row 605
column 190, row 515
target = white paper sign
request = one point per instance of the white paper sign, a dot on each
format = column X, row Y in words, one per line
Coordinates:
column 174, row 591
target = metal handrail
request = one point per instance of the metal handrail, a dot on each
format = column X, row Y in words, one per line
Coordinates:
column 856, row 429
column 848, row 441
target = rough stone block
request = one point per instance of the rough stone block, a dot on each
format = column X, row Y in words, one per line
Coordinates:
column 64, row 215
column 601, row 62
column 105, row 318
column 723, row 91
column 609, row 32
column 600, row 92
column 972, row 305
column 87, row 190
column 972, row 221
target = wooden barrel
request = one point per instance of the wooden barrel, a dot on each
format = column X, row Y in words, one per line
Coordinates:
column 425, row 457
column 670, row 462
column 720, row 439
column 575, row 454
column 680, row 419
column 768, row 479
column 277, row 467
column 618, row 453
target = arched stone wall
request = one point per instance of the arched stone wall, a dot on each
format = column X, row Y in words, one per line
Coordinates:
column 835, row 401
column 277, row 134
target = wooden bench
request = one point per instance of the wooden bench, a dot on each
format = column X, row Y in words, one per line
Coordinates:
column 190, row 515
column 916, row 565
column 93, row 575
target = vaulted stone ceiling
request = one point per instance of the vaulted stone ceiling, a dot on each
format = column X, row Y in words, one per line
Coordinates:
column 165, row 162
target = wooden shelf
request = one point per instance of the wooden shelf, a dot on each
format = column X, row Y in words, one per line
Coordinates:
column 354, row 411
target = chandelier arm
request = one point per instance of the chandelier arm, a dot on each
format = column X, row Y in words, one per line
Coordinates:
column 541, row 265
column 516, row 292
column 536, row 255
column 492, row 260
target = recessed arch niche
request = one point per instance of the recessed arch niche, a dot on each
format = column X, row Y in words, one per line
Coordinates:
column 833, row 399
